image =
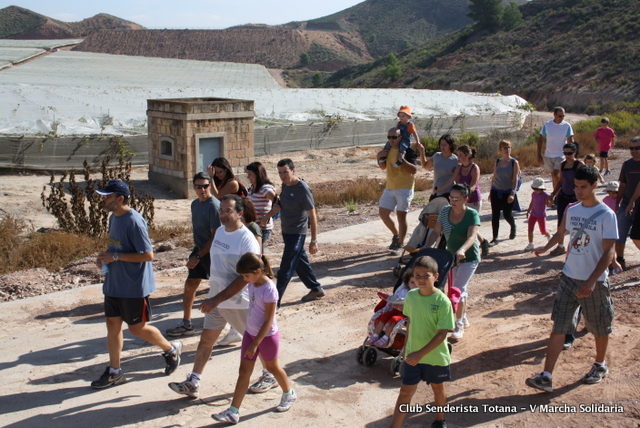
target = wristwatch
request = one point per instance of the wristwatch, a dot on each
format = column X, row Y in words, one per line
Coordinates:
column 198, row 256
column 115, row 256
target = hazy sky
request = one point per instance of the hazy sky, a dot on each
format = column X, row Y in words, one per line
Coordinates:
column 200, row 14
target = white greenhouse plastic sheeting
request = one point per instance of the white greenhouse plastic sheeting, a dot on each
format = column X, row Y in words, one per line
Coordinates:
column 77, row 93
column 42, row 44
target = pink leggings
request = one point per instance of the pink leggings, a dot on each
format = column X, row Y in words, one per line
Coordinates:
column 542, row 221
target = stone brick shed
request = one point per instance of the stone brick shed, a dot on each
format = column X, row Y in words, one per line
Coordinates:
column 186, row 134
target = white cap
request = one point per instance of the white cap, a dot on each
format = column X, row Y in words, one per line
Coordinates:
column 538, row 183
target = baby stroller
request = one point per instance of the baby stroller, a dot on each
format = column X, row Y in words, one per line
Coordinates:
column 368, row 354
column 427, row 221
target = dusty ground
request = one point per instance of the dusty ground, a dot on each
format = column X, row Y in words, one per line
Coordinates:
column 53, row 345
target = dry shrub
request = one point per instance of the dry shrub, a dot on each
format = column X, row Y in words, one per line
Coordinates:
column 179, row 233
column 423, row 183
column 362, row 190
column 83, row 213
column 51, row 250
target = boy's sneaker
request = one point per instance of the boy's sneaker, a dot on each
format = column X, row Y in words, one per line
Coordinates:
column 107, row 379
column 458, row 332
column 188, row 387
column 287, row 401
column 569, row 339
column 266, row 382
column 181, row 330
column 540, row 381
column 439, row 424
column 529, row 247
column 172, row 358
column 232, row 337
column 596, row 374
column 558, row 251
column 227, row 416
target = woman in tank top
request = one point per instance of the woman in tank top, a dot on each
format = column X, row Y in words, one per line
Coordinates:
column 563, row 192
column 443, row 164
column 503, row 190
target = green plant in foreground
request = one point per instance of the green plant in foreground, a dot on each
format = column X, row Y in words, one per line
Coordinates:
column 351, row 205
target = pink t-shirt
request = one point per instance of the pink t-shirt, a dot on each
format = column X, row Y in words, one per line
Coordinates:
column 539, row 207
column 605, row 137
column 610, row 202
column 258, row 296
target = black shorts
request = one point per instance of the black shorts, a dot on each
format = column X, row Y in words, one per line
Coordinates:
column 132, row 310
column 604, row 154
column 635, row 227
column 412, row 375
column 201, row 271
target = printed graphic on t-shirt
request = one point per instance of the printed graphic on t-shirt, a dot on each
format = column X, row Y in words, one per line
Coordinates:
column 434, row 309
column 580, row 244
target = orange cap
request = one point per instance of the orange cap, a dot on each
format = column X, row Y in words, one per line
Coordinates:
column 406, row 110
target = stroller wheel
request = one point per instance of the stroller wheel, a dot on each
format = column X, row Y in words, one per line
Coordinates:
column 396, row 270
column 396, row 366
column 370, row 356
column 361, row 350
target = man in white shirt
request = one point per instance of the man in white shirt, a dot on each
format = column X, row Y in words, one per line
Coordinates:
column 556, row 133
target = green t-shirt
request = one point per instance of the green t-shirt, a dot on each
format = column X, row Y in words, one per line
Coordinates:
column 427, row 315
column 456, row 234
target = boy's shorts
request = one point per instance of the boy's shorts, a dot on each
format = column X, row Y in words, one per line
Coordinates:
column 412, row 375
column 551, row 164
column 597, row 308
column 604, row 154
column 132, row 310
column 201, row 271
column 268, row 348
column 399, row 199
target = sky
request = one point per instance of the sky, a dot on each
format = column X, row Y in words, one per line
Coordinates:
column 192, row 14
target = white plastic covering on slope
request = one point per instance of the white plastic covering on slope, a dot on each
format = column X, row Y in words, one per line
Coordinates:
column 77, row 93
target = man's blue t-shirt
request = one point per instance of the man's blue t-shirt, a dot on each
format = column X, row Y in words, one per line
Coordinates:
column 128, row 234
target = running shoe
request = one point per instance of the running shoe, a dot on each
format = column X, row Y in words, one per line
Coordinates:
column 266, row 382
column 188, row 387
column 232, row 337
column 227, row 416
column 287, row 401
column 541, row 382
column 181, row 330
column 107, row 379
column 596, row 374
column 172, row 358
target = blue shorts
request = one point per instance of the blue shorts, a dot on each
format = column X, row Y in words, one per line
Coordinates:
column 412, row 375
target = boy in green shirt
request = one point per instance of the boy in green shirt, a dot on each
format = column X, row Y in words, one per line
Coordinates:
column 426, row 354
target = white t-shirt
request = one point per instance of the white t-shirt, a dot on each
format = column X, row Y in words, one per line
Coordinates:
column 586, row 250
column 226, row 250
column 556, row 135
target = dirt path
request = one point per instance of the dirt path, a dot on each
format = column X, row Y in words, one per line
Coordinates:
column 52, row 346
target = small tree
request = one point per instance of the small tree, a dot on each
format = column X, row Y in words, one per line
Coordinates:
column 511, row 16
column 305, row 59
column 392, row 72
column 317, row 79
column 390, row 59
column 487, row 13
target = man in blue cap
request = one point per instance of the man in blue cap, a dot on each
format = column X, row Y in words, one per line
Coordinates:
column 128, row 282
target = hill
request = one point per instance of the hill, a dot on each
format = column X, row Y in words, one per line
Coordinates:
column 269, row 46
column 19, row 23
column 570, row 52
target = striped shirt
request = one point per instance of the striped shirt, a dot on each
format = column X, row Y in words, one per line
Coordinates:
column 262, row 203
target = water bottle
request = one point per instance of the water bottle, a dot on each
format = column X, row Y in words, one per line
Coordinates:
column 105, row 267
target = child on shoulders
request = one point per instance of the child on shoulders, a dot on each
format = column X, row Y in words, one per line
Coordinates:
column 407, row 129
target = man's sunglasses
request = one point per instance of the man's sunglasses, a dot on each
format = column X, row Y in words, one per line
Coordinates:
column 392, row 137
column 201, row 186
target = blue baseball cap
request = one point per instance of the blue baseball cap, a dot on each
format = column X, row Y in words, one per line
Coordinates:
column 115, row 186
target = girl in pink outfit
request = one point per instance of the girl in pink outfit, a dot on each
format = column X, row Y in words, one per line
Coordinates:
column 537, row 211
column 605, row 137
column 260, row 337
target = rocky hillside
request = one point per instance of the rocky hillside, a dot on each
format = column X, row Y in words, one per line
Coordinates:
column 576, row 53
column 20, row 23
column 270, row 46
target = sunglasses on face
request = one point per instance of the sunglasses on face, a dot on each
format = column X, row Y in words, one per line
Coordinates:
column 569, row 153
column 634, row 148
column 392, row 137
column 505, row 148
column 201, row 186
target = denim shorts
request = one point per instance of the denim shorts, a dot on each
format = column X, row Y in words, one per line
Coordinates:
column 624, row 223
